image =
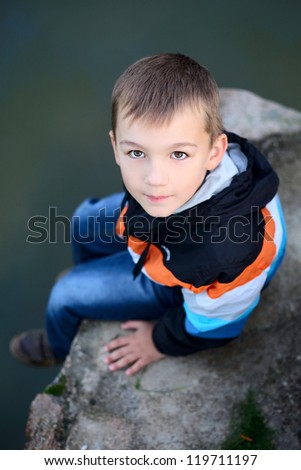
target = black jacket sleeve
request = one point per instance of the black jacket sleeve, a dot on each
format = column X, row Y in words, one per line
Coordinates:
column 171, row 338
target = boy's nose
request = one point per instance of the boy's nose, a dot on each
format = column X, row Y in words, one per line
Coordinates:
column 156, row 175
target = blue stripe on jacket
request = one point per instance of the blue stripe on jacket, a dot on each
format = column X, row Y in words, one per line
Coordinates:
column 204, row 327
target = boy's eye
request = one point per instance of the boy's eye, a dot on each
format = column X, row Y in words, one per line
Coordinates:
column 136, row 154
column 179, row 155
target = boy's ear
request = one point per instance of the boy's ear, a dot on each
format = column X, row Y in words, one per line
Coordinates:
column 113, row 142
column 217, row 152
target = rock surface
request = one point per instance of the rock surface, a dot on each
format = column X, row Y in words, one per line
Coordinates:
column 253, row 117
column 186, row 403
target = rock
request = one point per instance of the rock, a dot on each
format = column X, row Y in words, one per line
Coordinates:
column 253, row 117
column 186, row 403
column 46, row 416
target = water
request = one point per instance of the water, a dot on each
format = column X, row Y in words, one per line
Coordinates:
column 59, row 61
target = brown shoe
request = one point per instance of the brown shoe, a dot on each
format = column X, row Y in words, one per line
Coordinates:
column 32, row 348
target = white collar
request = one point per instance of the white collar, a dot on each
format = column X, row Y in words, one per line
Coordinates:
column 232, row 163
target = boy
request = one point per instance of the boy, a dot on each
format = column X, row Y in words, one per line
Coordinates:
column 199, row 226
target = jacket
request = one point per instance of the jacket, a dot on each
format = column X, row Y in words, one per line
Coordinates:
column 219, row 248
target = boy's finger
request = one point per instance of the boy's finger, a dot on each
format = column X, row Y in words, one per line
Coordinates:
column 116, row 343
column 138, row 365
column 116, row 354
column 123, row 362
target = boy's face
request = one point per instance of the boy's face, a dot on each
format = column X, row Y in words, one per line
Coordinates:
column 162, row 166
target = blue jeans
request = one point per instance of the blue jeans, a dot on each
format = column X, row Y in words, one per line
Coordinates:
column 100, row 286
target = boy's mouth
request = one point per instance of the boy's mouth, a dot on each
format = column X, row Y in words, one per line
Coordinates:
column 156, row 198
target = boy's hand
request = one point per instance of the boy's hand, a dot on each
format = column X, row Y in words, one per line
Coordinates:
column 137, row 349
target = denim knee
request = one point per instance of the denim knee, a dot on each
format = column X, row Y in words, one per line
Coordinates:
column 62, row 319
column 94, row 210
column 93, row 228
column 83, row 229
column 83, row 216
column 59, row 300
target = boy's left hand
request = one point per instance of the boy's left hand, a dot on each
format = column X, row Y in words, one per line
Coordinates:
column 137, row 349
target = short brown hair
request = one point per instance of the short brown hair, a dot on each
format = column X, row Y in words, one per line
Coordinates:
column 155, row 87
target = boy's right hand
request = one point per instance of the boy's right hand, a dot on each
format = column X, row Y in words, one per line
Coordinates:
column 137, row 349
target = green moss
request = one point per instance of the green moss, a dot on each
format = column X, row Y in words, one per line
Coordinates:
column 138, row 383
column 248, row 429
column 57, row 389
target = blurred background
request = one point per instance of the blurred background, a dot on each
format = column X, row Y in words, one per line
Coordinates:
column 59, row 61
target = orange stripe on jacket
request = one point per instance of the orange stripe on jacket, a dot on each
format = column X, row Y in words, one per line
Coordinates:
column 158, row 272
column 156, row 269
column 120, row 227
column 154, row 261
column 263, row 261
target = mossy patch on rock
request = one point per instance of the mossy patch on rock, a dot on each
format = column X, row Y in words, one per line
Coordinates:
column 56, row 388
column 248, row 428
